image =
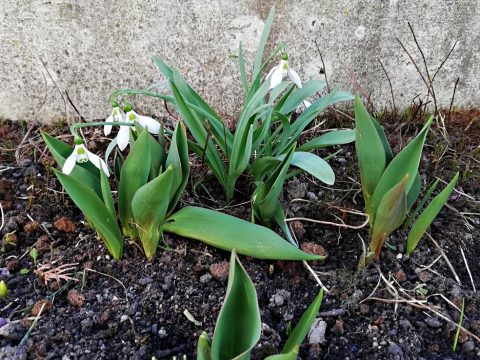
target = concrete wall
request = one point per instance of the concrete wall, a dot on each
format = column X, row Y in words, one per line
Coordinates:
column 93, row 47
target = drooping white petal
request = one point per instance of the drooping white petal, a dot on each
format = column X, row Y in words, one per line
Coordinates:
column 70, row 162
column 271, row 71
column 292, row 74
column 276, row 77
column 107, row 129
column 152, row 125
column 123, row 137
column 98, row 162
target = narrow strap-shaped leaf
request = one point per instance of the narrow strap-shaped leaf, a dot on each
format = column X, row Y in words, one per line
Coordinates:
column 241, row 65
column 241, row 153
column 331, row 138
column 178, row 157
column 420, row 205
column 200, row 135
column 228, row 232
column 204, row 347
column 301, row 330
column 263, row 40
column 107, row 194
column 238, row 325
column 297, row 97
column 95, row 210
column 428, row 215
column 149, row 208
column 390, row 215
column 314, row 165
column 134, row 174
column 370, row 153
column 405, row 163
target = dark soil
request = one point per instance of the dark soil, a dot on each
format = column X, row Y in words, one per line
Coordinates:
column 133, row 309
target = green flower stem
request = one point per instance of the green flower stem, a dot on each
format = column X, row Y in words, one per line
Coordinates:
column 74, row 127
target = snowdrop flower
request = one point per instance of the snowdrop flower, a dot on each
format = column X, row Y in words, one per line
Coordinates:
column 116, row 115
column 80, row 154
column 123, row 137
column 282, row 70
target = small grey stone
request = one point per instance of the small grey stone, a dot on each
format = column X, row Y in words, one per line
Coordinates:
column 316, row 335
column 144, row 281
column 12, row 331
column 162, row 332
column 154, row 328
column 13, row 353
column 395, row 350
column 205, row 278
column 278, row 299
column 433, row 323
column 405, row 323
column 468, row 346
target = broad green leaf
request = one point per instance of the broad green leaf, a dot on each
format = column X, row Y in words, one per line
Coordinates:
column 107, row 194
column 96, row 212
column 149, row 208
column 405, row 163
column 334, row 137
column 263, row 40
column 134, row 174
column 296, row 98
column 291, row 355
column 86, row 172
column 238, row 325
column 429, row 214
column 314, row 165
column 391, row 213
column 370, row 153
column 383, row 138
column 414, row 192
column 227, row 233
column 178, row 157
column 301, row 330
column 204, row 347
column 157, row 156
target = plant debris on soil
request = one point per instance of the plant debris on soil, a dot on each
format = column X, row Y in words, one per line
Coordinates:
column 88, row 306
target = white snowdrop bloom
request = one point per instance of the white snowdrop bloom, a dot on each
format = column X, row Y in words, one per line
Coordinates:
column 282, row 70
column 81, row 154
column 117, row 115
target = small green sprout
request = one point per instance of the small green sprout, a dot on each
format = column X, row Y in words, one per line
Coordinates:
column 34, row 254
column 3, row 290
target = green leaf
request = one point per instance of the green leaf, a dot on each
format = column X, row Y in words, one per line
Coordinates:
column 263, row 40
column 241, row 65
column 334, row 137
column 96, row 211
column 370, row 153
column 87, row 172
column 429, row 214
column 149, row 208
column 107, row 194
column 420, row 205
column 265, row 198
column 291, row 355
column 134, row 174
column 204, row 347
column 391, row 213
column 178, row 157
column 301, row 330
column 297, row 97
column 315, row 166
column 383, row 138
column 414, row 192
column 405, row 163
column 24, row 271
column 238, row 325
column 227, row 232
column 240, row 158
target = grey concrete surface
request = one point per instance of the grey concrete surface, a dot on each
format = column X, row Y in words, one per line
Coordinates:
column 93, row 47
